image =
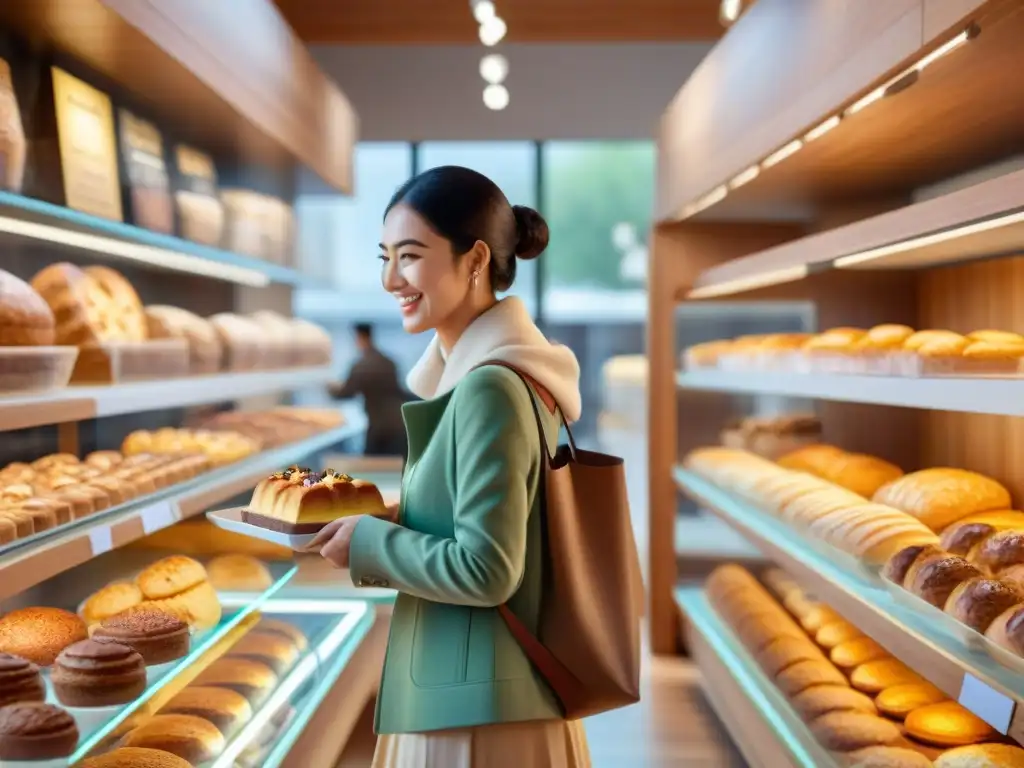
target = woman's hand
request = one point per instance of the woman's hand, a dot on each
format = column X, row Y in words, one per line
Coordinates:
column 334, row 541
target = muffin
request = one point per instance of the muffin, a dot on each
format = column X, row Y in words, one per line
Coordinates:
column 19, row 681
column 94, row 673
column 157, row 637
column 36, row 731
column 40, row 634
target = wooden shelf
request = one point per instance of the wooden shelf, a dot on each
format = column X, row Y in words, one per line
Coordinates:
column 76, row 403
column 30, row 561
column 760, row 720
column 983, row 220
column 924, row 639
column 997, row 396
column 64, row 228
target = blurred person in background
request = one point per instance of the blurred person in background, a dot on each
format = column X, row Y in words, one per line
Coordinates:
column 374, row 377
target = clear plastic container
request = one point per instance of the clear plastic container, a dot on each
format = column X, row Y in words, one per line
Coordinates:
column 35, row 369
column 912, row 364
column 119, row 362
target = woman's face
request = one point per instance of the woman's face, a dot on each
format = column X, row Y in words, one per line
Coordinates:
column 420, row 271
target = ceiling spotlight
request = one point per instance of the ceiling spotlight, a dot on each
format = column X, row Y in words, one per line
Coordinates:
column 492, row 31
column 483, row 10
column 494, row 68
column 496, row 97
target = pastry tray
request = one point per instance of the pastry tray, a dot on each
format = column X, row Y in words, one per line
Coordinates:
column 34, row 369
column 231, row 520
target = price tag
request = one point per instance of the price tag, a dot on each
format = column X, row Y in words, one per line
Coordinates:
column 101, row 541
column 161, row 515
column 992, row 706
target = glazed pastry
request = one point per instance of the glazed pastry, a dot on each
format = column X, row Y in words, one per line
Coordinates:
column 875, row 676
column 110, row 601
column 900, row 700
column 804, row 674
column 19, row 681
column 937, row 577
column 821, row 699
column 982, row 756
column 190, row 738
column 941, row 497
column 157, row 637
column 135, row 757
column 40, row 634
column 300, row 501
column 92, row 673
column 855, row 652
column 947, row 724
column 36, row 731
column 848, row 731
column 224, row 708
column 978, row 602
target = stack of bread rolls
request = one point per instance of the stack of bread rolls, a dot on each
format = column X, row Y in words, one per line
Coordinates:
column 841, row 517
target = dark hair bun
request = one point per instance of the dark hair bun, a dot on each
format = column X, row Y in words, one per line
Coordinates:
column 532, row 230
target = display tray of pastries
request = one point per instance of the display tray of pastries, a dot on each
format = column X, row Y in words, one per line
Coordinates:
column 885, row 350
column 291, row 507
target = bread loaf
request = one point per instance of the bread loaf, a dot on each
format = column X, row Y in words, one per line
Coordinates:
column 25, row 318
column 242, row 341
column 90, row 306
column 129, row 319
column 940, row 497
column 204, row 343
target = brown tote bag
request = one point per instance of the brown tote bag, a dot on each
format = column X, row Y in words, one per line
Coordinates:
column 587, row 646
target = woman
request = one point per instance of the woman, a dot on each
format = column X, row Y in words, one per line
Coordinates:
column 457, row 690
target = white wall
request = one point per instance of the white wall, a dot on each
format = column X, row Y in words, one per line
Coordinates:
column 421, row 93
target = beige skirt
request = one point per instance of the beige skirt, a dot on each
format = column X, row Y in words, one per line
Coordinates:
column 538, row 744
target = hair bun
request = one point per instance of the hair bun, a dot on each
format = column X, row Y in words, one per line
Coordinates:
column 532, row 230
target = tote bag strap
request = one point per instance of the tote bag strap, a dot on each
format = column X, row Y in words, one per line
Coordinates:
column 565, row 684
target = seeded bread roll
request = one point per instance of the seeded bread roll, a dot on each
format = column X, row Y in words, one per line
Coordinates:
column 937, row 577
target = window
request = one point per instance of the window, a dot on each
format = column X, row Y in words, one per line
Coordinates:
column 512, row 165
column 598, row 200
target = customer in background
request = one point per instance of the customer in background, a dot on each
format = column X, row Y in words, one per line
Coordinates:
column 374, row 376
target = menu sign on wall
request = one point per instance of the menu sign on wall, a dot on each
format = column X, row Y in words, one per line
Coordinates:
column 88, row 155
column 149, row 194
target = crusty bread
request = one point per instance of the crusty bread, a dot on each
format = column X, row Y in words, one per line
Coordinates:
column 25, row 317
column 206, row 350
column 940, row 497
column 90, row 306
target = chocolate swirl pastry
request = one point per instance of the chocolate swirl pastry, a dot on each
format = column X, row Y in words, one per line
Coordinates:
column 36, row 731
column 19, row 680
column 94, row 673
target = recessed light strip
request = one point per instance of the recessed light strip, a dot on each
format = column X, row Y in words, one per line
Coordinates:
column 830, row 123
column 762, row 280
column 923, row 241
column 142, row 254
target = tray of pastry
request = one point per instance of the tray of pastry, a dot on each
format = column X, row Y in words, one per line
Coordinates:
column 35, row 369
column 116, row 362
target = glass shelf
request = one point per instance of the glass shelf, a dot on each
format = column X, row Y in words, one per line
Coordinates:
column 792, row 735
column 204, row 646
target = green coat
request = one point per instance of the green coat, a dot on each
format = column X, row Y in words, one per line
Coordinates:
column 469, row 540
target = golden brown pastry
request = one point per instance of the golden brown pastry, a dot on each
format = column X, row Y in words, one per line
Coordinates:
column 123, row 301
column 40, row 634
column 170, row 576
column 848, row 731
column 937, row 577
column 855, row 652
column 900, row 700
column 83, row 311
column 818, row 617
column 804, row 674
column 276, row 651
column 135, row 757
column 836, row 632
column 784, row 652
column 875, row 676
column 862, row 474
column 998, row 551
column 26, row 320
column 110, row 601
column 812, row 458
column 289, row 631
column 1007, row 629
column 835, row 340
column 244, row 676
column 887, row 757
column 821, row 699
column 199, row 606
column 899, row 565
column 947, row 724
column 940, row 497
column 226, row 709
column 238, row 573
column 979, row 601
column 884, row 337
column 190, row 738
column 982, row 756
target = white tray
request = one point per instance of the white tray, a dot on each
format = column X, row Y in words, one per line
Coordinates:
column 231, row 520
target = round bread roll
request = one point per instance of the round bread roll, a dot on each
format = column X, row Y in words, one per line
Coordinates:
column 238, row 573
column 836, row 632
column 224, row 708
column 272, row 649
column 960, row 538
column 999, row 550
column 170, row 576
column 849, row 731
column 978, row 602
column 982, row 756
column 190, row 738
column 875, row 676
column 40, row 634
column 947, row 724
column 805, row 674
column 1007, row 629
column 821, row 699
column 26, row 320
column 900, row 700
column 135, row 757
column 937, row 577
column 855, row 652
column 887, row 757
column 818, row 617
column 941, row 496
column 110, row 601
column 205, row 349
column 784, row 652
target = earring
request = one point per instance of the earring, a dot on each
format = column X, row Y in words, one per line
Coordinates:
column 475, row 277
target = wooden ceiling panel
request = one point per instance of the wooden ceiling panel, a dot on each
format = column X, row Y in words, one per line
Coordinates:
column 386, row 22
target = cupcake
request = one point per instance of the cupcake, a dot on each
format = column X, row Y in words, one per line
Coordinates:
column 36, row 731
column 19, row 680
column 158, row 637
column 97, row 673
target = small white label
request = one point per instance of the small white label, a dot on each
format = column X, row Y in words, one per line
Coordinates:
column 159, row 516
column 101, row 541
column 992, row 706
